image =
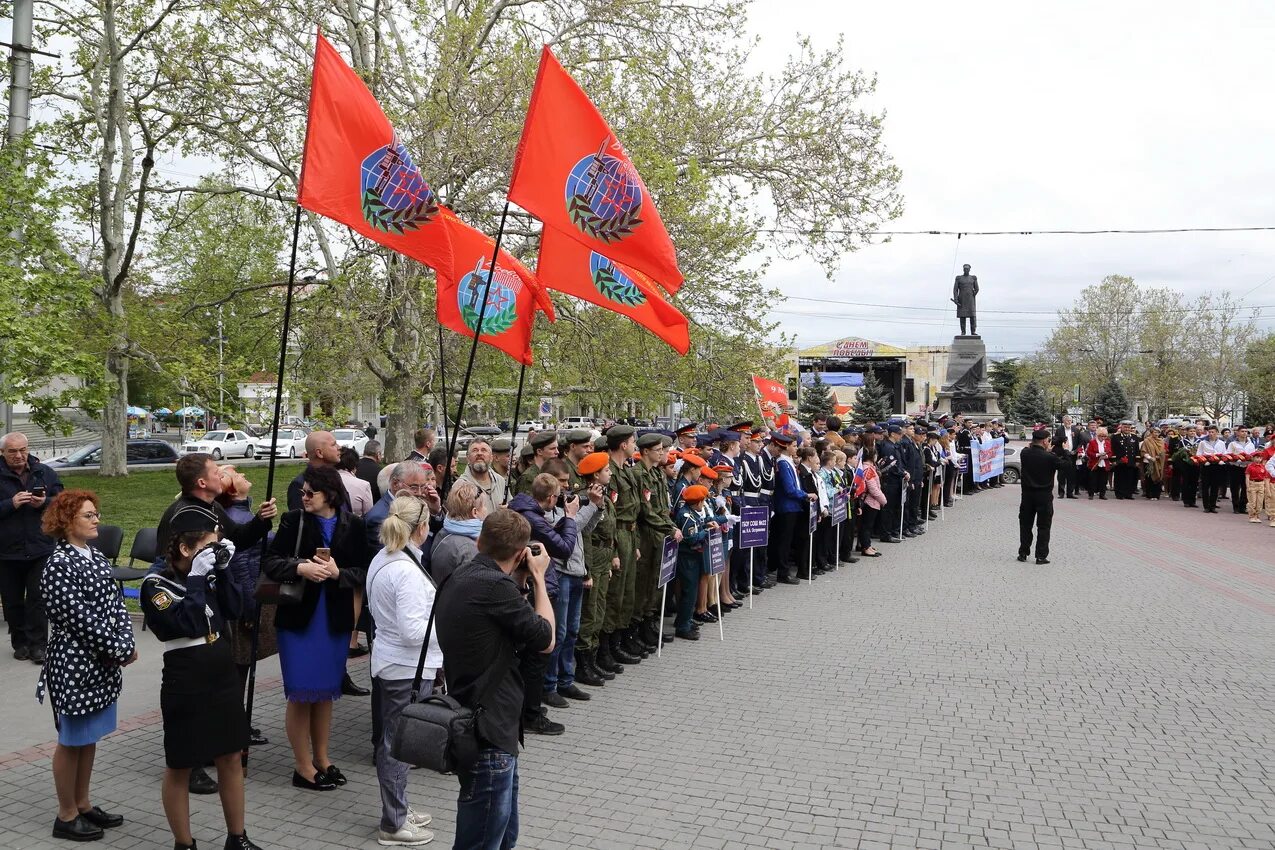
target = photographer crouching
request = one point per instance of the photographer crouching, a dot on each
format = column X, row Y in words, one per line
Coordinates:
column 482, row 622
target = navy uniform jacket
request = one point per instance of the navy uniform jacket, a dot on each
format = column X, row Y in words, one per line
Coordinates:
column 190, row 607
column 889, row 461
column 755, row 476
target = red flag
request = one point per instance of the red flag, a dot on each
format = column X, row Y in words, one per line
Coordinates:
column 572, row 174
column 512, row 301
column 356, row 171
column 772, row 399
column 569, row 266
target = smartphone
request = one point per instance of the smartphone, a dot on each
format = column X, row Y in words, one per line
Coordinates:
column 323, row 553
column 38, row 491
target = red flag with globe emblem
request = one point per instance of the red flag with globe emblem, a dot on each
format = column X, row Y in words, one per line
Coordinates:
column 571, row 267
column 512, row 301
column 572, row 173
column 356, row 171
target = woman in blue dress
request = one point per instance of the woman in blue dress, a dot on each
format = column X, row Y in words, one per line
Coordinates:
column 324, row 547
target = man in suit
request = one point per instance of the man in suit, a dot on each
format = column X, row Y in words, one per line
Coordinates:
column 1125, row 448
column 370, row 467
column 1065, row 442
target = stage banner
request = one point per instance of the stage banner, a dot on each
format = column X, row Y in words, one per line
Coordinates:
column 989, row 458
column 754, row 527
column 840, row 508
column 716, row 554
column 668, row 561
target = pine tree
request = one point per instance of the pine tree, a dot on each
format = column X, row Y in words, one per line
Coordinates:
column 816, row 400
column 871, row 401
column 1111, row 403
column 1029, row 405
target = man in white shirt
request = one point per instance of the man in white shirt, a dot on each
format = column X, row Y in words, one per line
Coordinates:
column 1211, row 474
column 1240, row 444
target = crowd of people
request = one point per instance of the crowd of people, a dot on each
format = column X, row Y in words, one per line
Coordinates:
column 535, row 572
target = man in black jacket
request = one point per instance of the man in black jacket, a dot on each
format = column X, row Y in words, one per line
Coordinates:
column 201, row 484
column 1037, row 506
column 1066, row 442
column 370, row 467
column 26, row 487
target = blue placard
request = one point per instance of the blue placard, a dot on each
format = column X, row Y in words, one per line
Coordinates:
column 716, row 554
column 754, row 527
column 840, row 508
column 668, row 561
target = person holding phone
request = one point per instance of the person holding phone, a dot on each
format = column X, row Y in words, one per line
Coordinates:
column 326, row 548
column 26, row 488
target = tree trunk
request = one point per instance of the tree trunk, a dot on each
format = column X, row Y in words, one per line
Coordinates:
column 115, row 411
column 403, row 415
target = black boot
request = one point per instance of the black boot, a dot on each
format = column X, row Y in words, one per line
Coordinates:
column 632, row 645
column 603, row 659
column 584, row 672
column 620, row 653
column 201, row 783
column 596, row 669
column 650, row 631
column 239, row 842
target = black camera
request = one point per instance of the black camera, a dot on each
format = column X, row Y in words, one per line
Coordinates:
column 221, row 555
column 535, row 549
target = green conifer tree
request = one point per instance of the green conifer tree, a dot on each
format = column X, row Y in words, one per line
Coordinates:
column 816, row 400
column 871, row 401
column 1111, row 403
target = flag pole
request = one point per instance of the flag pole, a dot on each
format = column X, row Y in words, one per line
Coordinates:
column 513, row 429
column 442, row 377
column 274, row 443
column 473, row 348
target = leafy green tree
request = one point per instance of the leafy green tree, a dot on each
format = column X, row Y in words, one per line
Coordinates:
column 816, row 400
column 1005, row 376
column 1030, row 404
column 871, row 401
column 1111, row 403
column 1257, row 380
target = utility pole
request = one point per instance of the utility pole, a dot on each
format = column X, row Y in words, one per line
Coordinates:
column 19, row 108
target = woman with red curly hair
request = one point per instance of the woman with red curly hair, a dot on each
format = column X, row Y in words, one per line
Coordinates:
column 90, row 640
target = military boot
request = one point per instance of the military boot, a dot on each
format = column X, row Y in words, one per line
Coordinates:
column 585, row 674
column 649, row 632
column 630, row 643
column 604, row 660
column 620, row 652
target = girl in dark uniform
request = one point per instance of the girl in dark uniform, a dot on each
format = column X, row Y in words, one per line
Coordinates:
column 187, row 606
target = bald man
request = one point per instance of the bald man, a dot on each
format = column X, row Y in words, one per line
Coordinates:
column 321, row 450
column 26, row 488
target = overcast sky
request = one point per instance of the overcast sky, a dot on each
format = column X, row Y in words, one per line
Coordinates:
column 1017, row 116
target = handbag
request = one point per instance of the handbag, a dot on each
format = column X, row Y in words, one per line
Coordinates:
column 271, row 592
column 438, row 733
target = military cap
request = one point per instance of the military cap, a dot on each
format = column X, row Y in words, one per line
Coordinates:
column 579, row 435
column 542, row 439
column 600, row 444
column 651, row 440
column 731, row 436
column 1131, row 422
column 724, row 467
column 527, row 450
column 501, row 446
column 591, row 463
column 688, row 428
column 617, row 434
column 894, row 429
column 873, row 429
column 740, row 425
column 695, row 493
column 195, row 518
column 782, row 438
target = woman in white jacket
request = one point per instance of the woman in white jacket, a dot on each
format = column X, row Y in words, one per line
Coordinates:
column 400, row 595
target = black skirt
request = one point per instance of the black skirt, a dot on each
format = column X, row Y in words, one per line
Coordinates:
column 199, row 698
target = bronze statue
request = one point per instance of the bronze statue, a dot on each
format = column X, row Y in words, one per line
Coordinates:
column 963, row 292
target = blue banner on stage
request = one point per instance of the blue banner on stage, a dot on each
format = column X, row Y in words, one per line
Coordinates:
column 754, row 527
column 840, row 507
column 668, row 561
column 988, row 457
column 716, row 554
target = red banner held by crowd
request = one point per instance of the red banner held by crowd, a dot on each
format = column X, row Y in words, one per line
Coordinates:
column 572, row 173
column 772, row 400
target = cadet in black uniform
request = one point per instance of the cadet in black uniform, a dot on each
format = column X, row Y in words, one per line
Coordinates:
column 1038, row 467
column 187, row 607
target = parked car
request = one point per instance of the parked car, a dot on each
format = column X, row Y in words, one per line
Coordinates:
column 221, row 444
column 573, row 422
column 530, row 425
column 291, row 443
column 138, row 452
column 486, row 432
column 352, row 438
column 1013, row 465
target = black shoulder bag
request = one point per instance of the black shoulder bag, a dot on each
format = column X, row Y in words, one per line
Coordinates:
column 271, row 592
column 438, row 732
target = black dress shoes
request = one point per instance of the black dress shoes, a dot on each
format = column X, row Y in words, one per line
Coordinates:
column 77, row 829
column 37, row 655
column 331, row 773
column 689, row 634
column 201, row 782
column 256, row 739
column 320, row 783
column 1022, row 559
column 352, row 690
column 572, row 692
column 104, row 820
column 1042, row 560
column 892, row 539
column 784, row 580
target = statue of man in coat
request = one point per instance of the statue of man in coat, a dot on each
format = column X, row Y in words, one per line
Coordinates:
column 964, row 290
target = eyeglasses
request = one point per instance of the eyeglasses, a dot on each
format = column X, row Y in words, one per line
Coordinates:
column 307, row 494
column 415, row 488
column 91, row 515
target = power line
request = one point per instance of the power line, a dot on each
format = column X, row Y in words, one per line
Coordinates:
column 1142, row 311
column 959, row 233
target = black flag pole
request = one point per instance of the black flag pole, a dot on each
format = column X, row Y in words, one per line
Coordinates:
column 442, row 377
column 513, row 429
column 473, row 348
column 274, row 442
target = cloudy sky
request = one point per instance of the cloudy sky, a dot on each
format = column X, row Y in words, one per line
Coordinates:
column 1017, row 116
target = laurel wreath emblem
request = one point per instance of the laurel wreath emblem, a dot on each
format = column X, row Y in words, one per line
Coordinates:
column 620, row 291
column 494, row 324
column 385, row 218
column 607, row 229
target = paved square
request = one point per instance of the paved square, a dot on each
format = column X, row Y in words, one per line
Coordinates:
column 942, row 696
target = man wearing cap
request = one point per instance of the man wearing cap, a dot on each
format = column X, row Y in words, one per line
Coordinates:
column 755, row 472
column 791, row 503
column 654, row 523
column 914, row 463
column 579, row 445
column 623, row 591
column 686, row 436
column 1038, row 465
column 544, row 445
column 1126, row 451
column 500, row 449
column 893, row 481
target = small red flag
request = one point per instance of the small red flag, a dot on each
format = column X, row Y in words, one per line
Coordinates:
column 356, row 171
column 569, row 266
column 572, row 174
column 772, row 399
column 512, row 302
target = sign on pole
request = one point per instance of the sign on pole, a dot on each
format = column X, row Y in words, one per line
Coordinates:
column 716, row 554
column 754, row 527
column 840, row 507
column 989, row 458
column 668, row 561
column 814, row 516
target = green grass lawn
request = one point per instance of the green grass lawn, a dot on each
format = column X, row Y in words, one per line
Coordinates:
column 140, row 499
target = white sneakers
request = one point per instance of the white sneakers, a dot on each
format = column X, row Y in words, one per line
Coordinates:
column 411, row 835
column 418, row 818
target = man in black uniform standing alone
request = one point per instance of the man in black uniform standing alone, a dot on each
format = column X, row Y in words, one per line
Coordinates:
column 1038, row 467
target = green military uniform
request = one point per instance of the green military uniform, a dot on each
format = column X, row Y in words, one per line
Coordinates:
column 655, row 522
column 599, row 550
column 524, row 482
column 621, row 596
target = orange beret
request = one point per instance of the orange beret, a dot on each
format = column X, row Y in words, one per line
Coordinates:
column 695, row 493
column 708, row 473
column 694, row 459
column 724, row 467
column 592, row 463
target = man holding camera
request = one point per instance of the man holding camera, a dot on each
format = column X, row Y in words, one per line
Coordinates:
column 483, row 624
column 26, row 486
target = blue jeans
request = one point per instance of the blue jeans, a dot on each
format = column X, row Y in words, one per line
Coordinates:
column 561, row 671
column 487, row 806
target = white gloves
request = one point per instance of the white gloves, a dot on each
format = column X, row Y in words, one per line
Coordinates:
column 204, row 562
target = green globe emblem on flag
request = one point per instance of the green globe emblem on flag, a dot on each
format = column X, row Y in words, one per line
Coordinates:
column 613, row 284
column 502, row 299
column 604, row 196
column 395, row 198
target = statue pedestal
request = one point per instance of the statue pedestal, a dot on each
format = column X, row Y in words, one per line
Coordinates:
column 967, row 389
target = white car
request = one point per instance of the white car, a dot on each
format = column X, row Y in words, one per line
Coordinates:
column 572, row 423
column 291, row 443
column 222, row 444
column 524, row 427
column 352, row 438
